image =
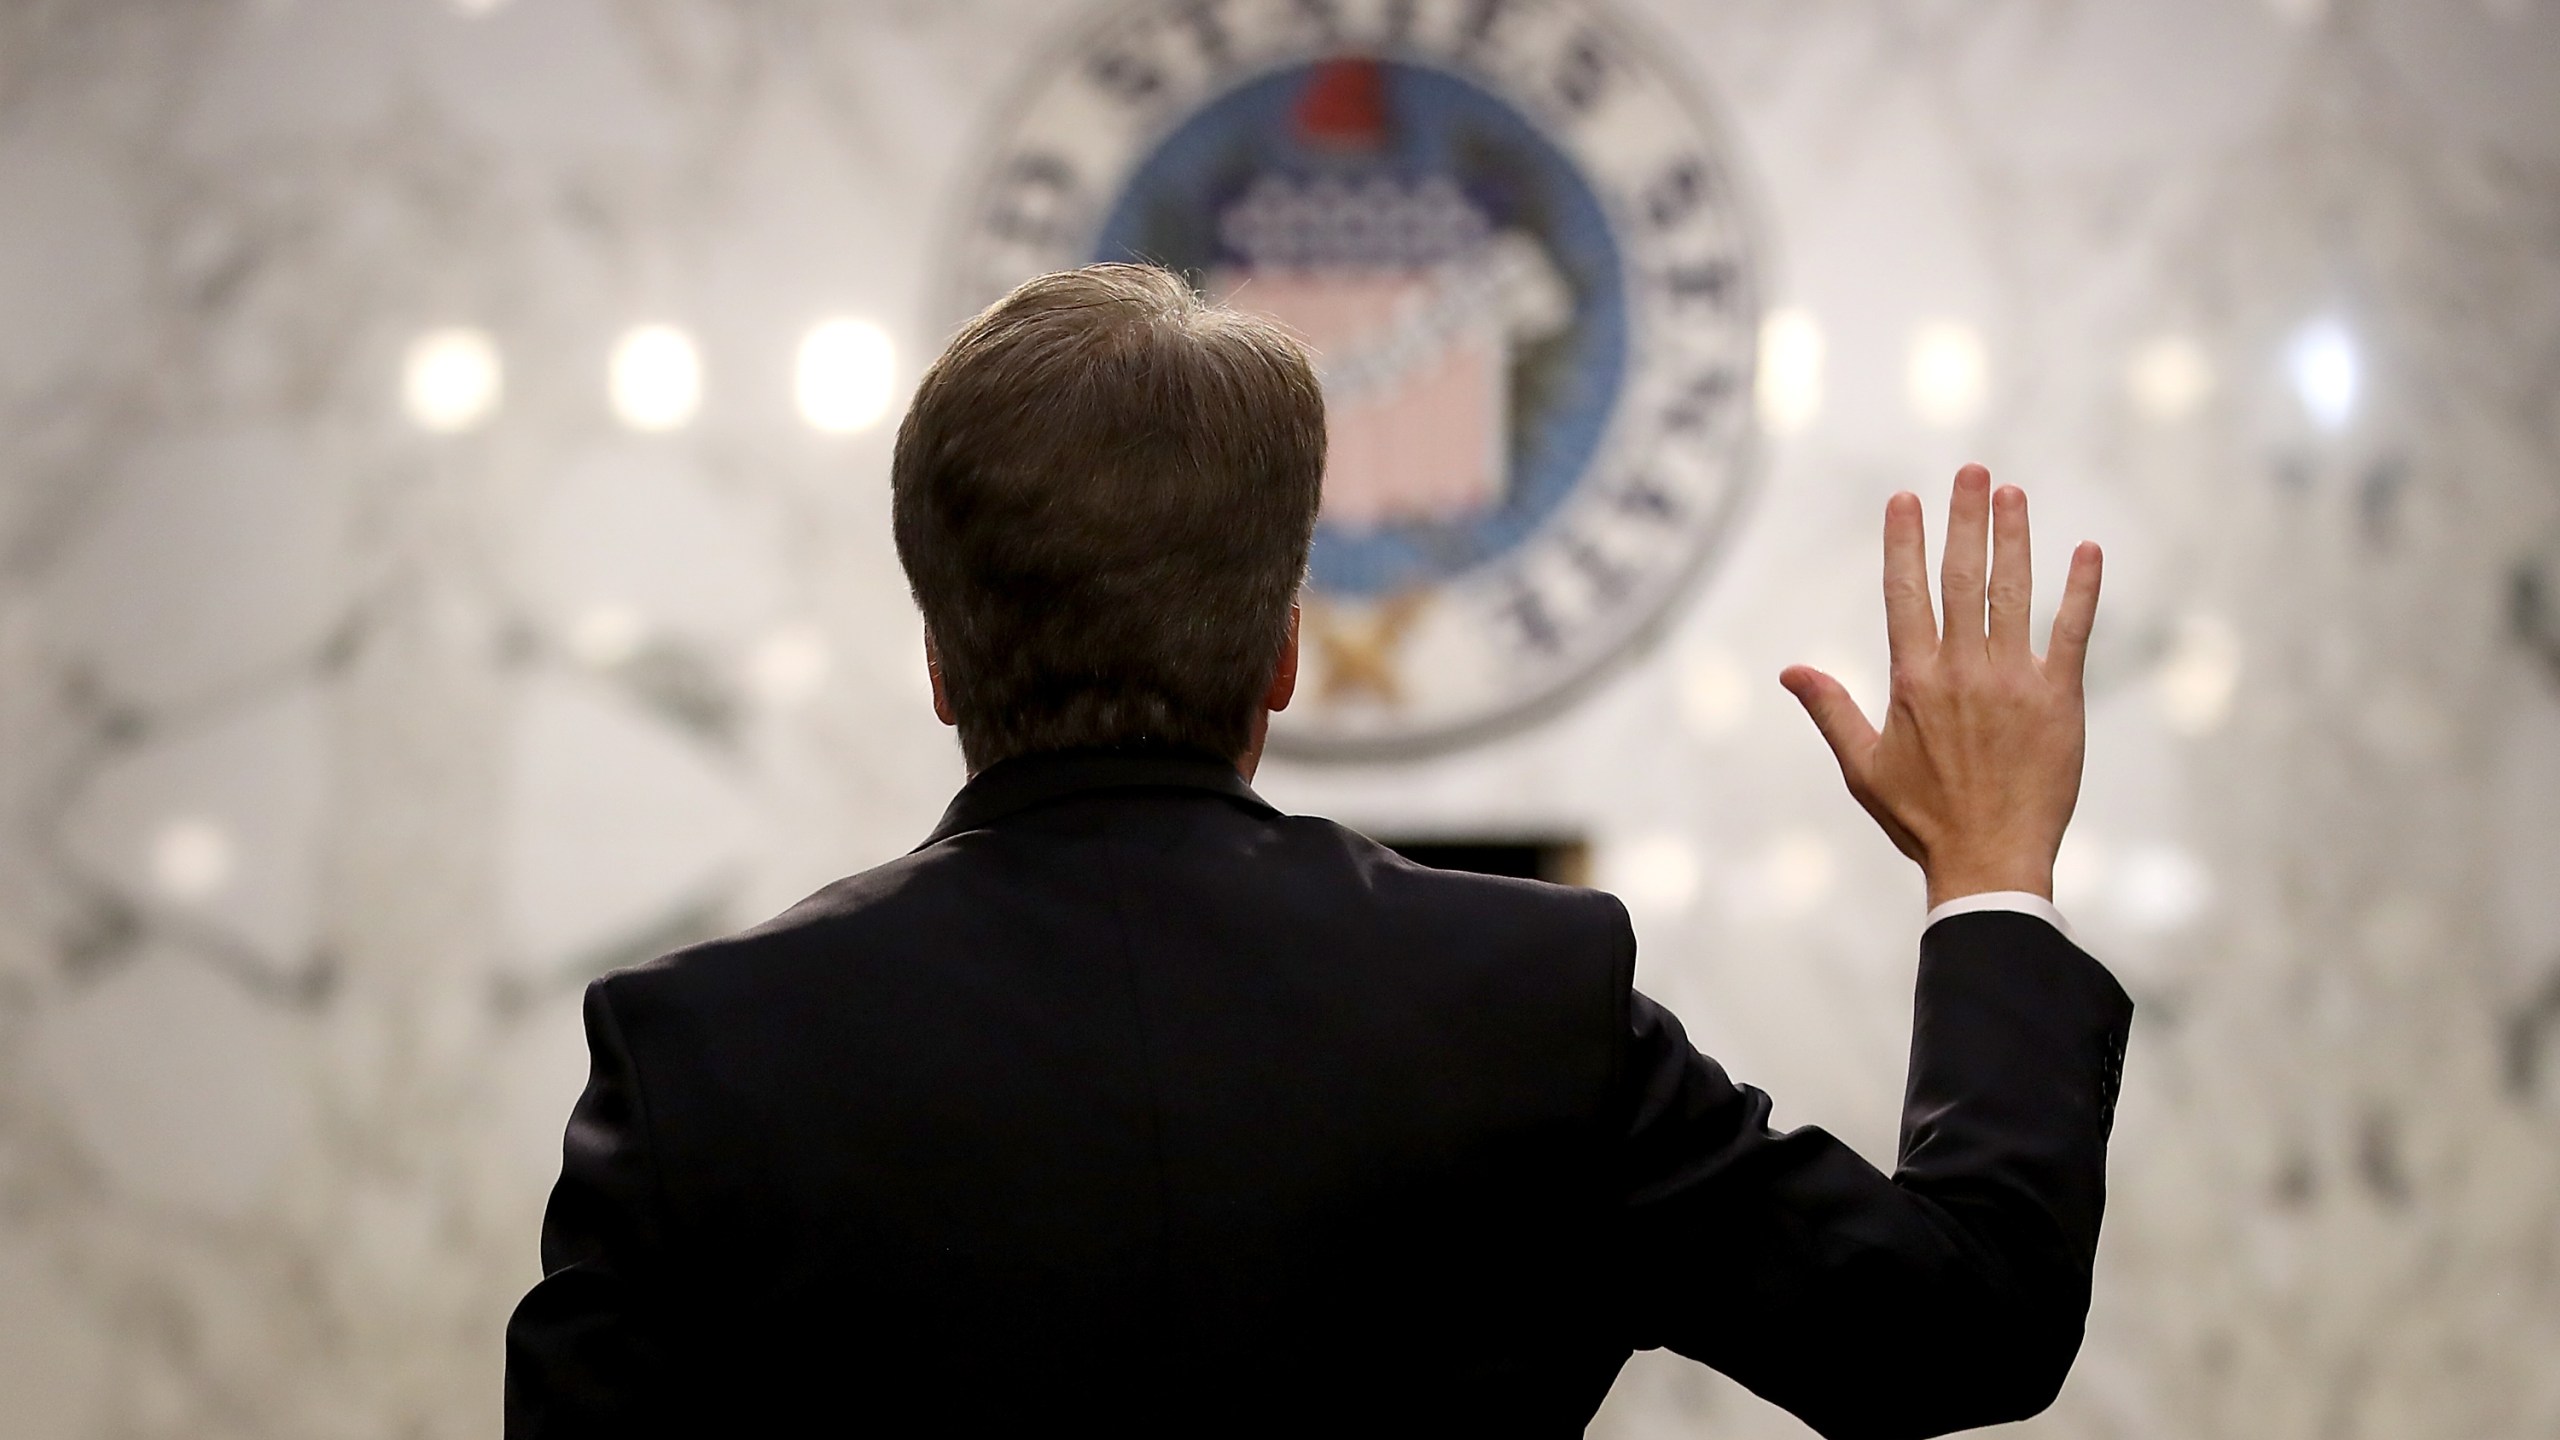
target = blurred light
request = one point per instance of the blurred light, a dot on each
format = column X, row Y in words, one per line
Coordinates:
column 2079, row 872
column 2299, row 12
column 656, row 377
column 191, row 858
column 478, row 7
column 1855, row 677
column 451, row 379
column 2199, row 676
column 2168, row 378
column 1715, row 696
column 1656, row 872
column 1796, row 873
column 1950, row 374
column 846, row 371
column 2160, row 888
column 605, row 635
column 2325, row 372
column 1790, row 392
column 788, row 665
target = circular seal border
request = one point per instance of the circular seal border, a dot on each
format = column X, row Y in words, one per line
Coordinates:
column 1634, row 626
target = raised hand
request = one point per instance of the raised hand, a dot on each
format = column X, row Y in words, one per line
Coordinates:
column 1978, row 766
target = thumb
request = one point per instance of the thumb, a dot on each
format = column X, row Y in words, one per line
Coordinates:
column 1837, row 716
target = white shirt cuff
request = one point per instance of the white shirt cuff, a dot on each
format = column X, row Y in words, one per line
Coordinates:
column 2021, row 902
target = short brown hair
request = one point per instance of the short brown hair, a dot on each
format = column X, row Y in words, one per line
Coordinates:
column 1103, row 496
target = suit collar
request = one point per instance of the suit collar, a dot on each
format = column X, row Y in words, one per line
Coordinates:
column 1025, row 781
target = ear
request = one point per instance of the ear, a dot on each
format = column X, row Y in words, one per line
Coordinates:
column 942, row 710
column 1284, row 676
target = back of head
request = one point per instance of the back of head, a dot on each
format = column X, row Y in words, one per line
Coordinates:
column 1103, row 496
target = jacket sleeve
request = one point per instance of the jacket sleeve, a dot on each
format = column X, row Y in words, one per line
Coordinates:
column 1948, row 1295
column 588, row 1350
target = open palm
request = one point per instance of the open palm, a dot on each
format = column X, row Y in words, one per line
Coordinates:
column 1977, row 768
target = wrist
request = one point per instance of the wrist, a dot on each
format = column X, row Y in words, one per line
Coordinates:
column 1954, row 880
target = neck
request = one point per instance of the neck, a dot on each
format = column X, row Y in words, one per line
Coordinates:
column 1251, row 759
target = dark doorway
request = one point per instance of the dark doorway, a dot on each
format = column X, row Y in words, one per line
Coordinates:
column 1558, row 861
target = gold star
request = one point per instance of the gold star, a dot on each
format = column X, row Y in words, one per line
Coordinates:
column 1358, row 649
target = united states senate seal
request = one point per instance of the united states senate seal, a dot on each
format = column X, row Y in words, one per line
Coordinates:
column 1514, row 236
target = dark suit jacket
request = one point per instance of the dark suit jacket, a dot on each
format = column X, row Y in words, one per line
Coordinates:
column 1128, row 1100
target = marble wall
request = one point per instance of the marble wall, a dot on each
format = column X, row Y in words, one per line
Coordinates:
column 359, row 700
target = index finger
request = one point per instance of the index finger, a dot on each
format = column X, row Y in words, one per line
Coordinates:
column 2068, row 651
column 1911, row 629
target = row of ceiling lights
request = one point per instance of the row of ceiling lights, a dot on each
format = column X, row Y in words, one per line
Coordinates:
column 2146, row 887
column 1947, row 373
column 845, row 378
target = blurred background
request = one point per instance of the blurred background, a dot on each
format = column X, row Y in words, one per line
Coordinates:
column 444, row 555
